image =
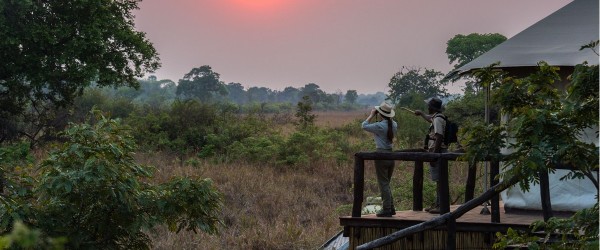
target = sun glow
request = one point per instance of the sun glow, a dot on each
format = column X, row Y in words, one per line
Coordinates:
column 264, row 6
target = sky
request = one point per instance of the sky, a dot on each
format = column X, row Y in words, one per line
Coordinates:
column 339, row 45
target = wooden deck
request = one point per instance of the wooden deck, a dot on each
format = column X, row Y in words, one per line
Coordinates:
column 471, row 221
column 473, row 230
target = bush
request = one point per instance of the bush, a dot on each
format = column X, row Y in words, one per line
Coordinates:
column 92, row 192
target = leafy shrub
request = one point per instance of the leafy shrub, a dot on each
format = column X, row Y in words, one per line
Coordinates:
column 256, row 149
column 92, row 192
column 580, row 231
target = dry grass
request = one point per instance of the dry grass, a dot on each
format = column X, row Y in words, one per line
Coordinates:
column 332, row 119
column 268, row 207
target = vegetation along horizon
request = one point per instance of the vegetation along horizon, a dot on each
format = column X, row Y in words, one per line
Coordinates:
column 94, row 156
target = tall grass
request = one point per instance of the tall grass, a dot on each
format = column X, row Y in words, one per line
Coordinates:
column 270, row 207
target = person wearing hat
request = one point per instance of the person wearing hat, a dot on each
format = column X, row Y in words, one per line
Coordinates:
column 435, row 142
column 383, row 128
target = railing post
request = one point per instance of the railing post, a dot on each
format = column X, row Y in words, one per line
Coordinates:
column 470, row 185
column 451, row 239
column 494, row 171
column 444, row 186
column 545, row 195
column 359, row 185
column 418, row 186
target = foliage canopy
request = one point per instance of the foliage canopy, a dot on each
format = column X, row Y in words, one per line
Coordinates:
column 91, row 191
column 57, row 48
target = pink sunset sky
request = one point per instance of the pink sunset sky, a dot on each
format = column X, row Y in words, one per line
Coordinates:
column 339, row 45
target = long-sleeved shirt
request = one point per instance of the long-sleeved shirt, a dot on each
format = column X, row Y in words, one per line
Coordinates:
column 379, row 130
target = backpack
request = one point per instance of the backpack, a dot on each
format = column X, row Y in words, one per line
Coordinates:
column 451, row 131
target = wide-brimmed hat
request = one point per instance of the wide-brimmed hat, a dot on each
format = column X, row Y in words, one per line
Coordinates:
column 435, row 104
column 385, row 109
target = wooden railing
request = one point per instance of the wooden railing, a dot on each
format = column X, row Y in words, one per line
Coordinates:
column 418, row 158
column 448, row 218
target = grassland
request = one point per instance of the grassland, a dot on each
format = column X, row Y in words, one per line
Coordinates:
column 267, row 207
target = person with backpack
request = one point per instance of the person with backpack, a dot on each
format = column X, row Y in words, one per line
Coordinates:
column 383, row 128
column 434, row 142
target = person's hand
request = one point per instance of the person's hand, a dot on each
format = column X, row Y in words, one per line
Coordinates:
column 418, row 112
column 373, row 112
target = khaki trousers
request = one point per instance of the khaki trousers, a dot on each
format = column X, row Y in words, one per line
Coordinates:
column 384, row 170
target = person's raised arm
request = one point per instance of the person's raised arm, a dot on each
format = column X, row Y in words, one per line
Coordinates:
column 423, row 115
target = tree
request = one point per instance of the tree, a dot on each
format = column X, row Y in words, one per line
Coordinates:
column 424, row 82
column 464, row 49
column 351, row 96
column 259, row 94
column 544, row 127
column 306, row 119
column 237, row 94
column 201, row 83
column 313, row 91
column 91, row 191
column 290, row 94
column 57, row 48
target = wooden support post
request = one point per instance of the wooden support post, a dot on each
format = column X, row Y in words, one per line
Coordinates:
column 359, row 185
column 444, row 187
column 545, row 195
column 418, row 186
column 494, row 171
column 451, row 239
column 443, row 218
column 470, row 185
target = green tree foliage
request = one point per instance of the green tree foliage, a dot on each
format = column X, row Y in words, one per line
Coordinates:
column 91, row 191
column 57, row 48
column 411, row 129
column 463, row 49
column 155, row 94
column 306, row 119
column 580, row 231
column 351, row 96
column 22, row 237
column 544, row 129
column 182, row 129
column 237, row 94
column 290, row 94
column 259, row 94
column 408, row 81
column 201, row 83
column 314, row 92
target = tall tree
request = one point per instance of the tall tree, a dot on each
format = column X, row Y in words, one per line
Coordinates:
column 290, row 94
column 237, row 94
column 313, row 91
column 52, row 50
column 463, row 49
column 351, row 96
column 423, row 82
column 201, row 83
column 259, row 94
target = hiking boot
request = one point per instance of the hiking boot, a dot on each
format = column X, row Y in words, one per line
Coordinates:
column 432, row 207
column 384, row 213
column 434, row 210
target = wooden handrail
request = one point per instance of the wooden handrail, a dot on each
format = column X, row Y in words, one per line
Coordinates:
column 449, row 218
column 418, row 156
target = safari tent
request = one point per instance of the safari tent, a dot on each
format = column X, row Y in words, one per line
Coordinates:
column 557, row 40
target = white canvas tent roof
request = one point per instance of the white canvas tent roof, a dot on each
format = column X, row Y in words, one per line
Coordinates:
column 556, row 39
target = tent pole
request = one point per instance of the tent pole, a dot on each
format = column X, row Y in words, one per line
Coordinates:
column 485, row 209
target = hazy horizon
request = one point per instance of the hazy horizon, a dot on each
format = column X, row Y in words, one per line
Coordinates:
column 338, row 44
